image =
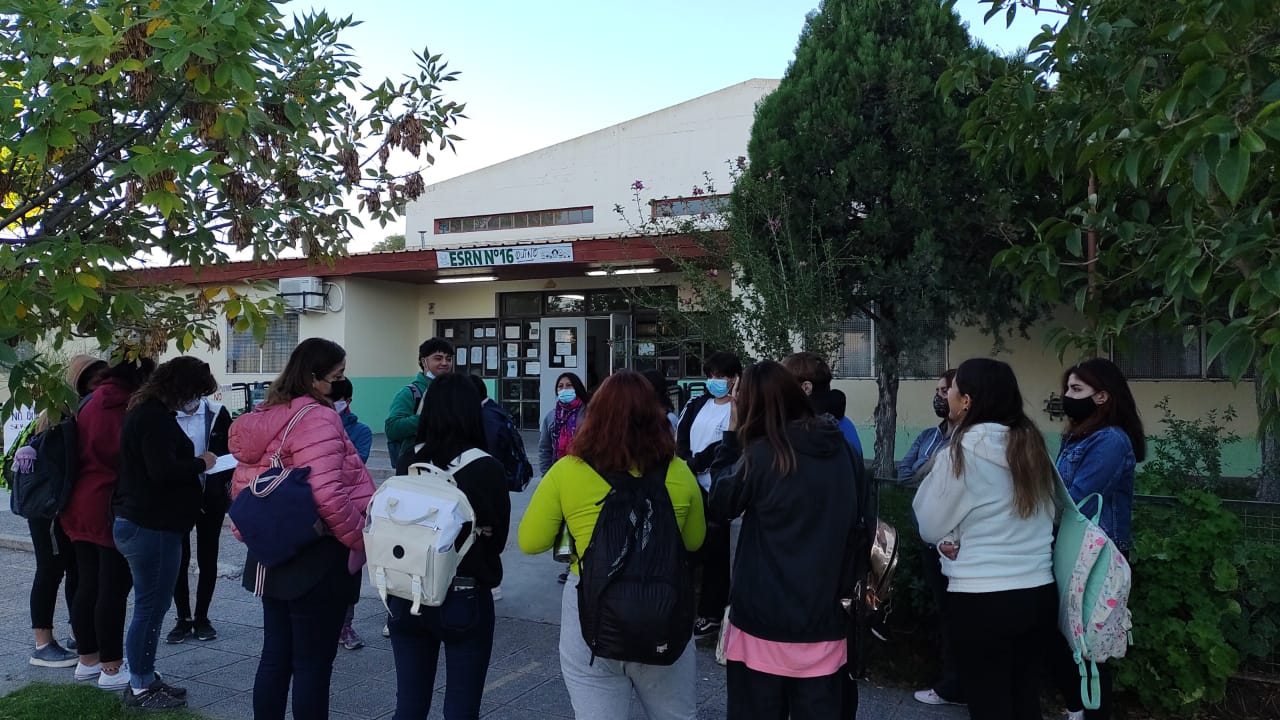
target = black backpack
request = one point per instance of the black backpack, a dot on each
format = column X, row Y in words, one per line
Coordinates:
column 508, row 447
column 42, row 493
column 635, row 596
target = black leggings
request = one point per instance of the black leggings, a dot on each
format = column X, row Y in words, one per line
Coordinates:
column 55, row 559
column 1005, row 641
column 97, row 612
column 208, row 533
column 714, row 557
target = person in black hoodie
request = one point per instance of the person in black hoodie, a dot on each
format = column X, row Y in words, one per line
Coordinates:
column 464, row 623
column 791, row 476
column 206, row 423
column 157, row 501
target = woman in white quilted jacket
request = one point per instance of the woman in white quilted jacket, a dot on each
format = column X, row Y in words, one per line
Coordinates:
column 988, row 506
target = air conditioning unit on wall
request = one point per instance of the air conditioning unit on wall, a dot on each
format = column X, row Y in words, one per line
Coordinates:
column 304, row 294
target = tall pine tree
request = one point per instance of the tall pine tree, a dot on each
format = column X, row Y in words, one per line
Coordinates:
column 867, row 152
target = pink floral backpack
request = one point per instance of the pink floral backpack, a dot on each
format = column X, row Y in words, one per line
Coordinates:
column 1093, row 581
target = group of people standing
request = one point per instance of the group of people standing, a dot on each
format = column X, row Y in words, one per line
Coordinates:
column 986, row 512
column 767, row 443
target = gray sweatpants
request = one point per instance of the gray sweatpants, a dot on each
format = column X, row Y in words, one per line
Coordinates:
column 603, row 689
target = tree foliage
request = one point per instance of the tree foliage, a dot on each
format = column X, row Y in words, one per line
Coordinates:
column 868, row 155
column 182, row 130
column 391, row 242
column 1160, row 123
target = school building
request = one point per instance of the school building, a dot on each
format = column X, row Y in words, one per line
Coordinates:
column 522, row 266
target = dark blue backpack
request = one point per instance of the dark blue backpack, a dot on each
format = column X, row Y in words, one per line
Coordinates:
column 43, row 492
column 506, row 445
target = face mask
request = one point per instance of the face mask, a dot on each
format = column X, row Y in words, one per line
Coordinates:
column 191, row 407
column 1078, row 409
column 429, row 375
column 718, row 387
column 567, row 396
column 341, row 406
column 941, row 407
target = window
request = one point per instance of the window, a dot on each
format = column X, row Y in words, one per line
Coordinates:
column 856, row 355
column 1152, row 353
column 516, row 220
column 244, row 355
column 684, row 206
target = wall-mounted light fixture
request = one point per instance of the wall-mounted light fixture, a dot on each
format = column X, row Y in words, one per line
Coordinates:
column 466, row 279
column 623, row 271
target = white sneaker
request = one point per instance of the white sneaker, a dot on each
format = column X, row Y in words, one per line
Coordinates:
column 1075, row 715
column 87, row 672
column 497, row 593
column 118, row 681
column 929, row 697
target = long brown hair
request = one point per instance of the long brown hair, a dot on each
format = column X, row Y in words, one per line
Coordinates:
column 314, row 358
column 769, row 400
column 994, row 397
column 625, row 428
column 1119, row 410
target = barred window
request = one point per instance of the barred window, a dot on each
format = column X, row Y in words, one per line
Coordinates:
column 244, row 355
column 1154, row 353
column 856, row 355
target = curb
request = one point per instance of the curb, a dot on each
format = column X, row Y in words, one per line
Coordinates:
column 16, row 542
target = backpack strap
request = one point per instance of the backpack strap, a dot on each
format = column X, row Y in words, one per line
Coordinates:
column 276, row 460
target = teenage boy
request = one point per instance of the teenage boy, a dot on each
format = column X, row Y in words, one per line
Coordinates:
column 435, row 358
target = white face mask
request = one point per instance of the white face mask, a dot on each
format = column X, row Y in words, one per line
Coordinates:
column 191, row 407
column 341, row 406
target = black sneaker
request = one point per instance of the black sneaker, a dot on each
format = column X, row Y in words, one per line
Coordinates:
column 204, row 630
column 180, row 632
column 174, row 691
column 705, row 627
column 156, row 698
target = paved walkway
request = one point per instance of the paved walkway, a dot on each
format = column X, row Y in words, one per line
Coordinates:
column 524, row 676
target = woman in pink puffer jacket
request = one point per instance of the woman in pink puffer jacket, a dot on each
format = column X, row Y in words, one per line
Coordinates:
column 305, row 599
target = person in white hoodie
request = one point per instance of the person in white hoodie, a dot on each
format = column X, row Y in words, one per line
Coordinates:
column 988, row 505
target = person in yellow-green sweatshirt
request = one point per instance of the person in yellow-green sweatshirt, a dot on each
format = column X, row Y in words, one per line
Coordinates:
column 630, row 435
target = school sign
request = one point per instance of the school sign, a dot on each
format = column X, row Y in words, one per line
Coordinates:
column 494, row 256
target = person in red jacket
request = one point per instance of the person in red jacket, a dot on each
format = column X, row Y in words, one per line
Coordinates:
column 304, row 598
column 98, row 609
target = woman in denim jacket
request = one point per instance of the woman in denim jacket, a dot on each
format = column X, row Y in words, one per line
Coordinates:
column 1102, row 443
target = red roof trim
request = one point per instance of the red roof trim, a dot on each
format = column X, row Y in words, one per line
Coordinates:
column 585, row 252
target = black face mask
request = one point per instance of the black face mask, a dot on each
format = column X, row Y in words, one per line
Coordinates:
column 1078, row 409
column 941, row 407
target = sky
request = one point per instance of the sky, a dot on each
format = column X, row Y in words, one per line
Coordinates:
column 538, row 72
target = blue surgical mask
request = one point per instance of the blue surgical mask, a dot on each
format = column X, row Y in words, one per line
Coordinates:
column 567, row 395
column 191, row 407
column 341, row 406
column 429, row 375
column 718, row 387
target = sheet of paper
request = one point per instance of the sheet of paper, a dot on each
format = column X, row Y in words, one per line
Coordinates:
column 224, row 463
column 513, row 350
column 511, row 332
column 571, row 361
column 512, row 368
column 491, row 332
column 563, row 348
column 491, row 358
column 532, row 368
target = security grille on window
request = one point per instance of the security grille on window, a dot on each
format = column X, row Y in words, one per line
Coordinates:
column 1158, row 354
column 857, row 353
column 244, row 355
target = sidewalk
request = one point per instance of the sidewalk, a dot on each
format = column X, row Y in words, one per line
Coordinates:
column 524, row 675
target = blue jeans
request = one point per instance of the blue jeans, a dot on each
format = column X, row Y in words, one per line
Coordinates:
column 464, row 623
column 299, row 643
column 154, row 556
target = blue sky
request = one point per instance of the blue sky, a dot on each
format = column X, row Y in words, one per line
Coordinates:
column 535, row 73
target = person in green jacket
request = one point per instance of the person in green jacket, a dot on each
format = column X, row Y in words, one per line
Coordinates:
column 435, row 357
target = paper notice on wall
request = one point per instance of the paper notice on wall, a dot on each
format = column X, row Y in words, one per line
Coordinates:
column 571, row 361
column 491, row 332
column 491, row 358
column 563, row 348
column 532, row 368
column 511, row 332
column 17, row 422
column 448, row 332
column 512, row 368
column 513, row 350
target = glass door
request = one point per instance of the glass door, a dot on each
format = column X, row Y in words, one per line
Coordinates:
column 620, row 341
column 563, row 349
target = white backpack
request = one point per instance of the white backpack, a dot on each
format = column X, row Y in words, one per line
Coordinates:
column 412, row 528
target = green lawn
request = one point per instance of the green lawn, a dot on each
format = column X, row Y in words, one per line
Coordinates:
column 44, row 701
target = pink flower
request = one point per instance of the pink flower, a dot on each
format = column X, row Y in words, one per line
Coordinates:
column 1100, row 542
column 1112, row 603
column 696, row 191
column 637, row 185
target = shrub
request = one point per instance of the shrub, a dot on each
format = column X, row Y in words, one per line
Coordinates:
column 1189, row 453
